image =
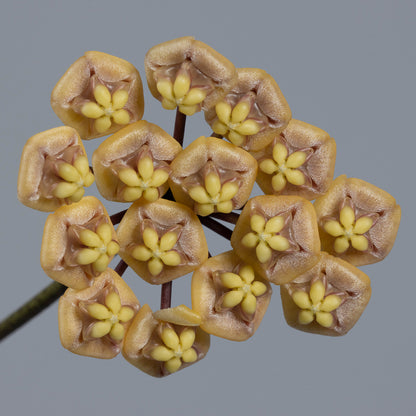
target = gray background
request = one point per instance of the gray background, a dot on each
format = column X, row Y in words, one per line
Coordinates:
column 345, row 66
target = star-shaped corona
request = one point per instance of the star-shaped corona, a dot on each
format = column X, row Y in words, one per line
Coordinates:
column 214, row 196
column 243, row 290
column 109, row 316
column 233, row 123
column 106, row 108
column 100, row 247
column 348, row 230
column 143, row 182
column 75, row 178
column 284, row 167
column 316, row 305
column 265, row 237
column 177, row 349
column 180, row 94
column 157, row 252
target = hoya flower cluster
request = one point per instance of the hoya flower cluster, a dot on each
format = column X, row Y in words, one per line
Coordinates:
column 280, row 238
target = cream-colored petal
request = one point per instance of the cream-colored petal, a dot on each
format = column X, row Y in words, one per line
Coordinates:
column 274, row 224
column 317, row 292
column 117, row 332
column 231, row 280
column 200, row 195
column 170, row 338
column 225, row 207
column 257, row 223
column 173, row 365
column 296, row 159
column 362, row 225
column 155, row 266
column 347, row 217
column 168, row 104
column 302, row 299
column 359, row 242
column 100, row 329
column 188, row 110
column 171, row 258
column 330, row 303
column 160, row 176
column 278, row 182
column 121, row 117
column 187, row 338
column 151, row 194
column 165, row 88
column 280, row 153
column 223, row 111
column 125, row 314
column 250, row 240
column 236, row 138
column 65, row 190
column 189, row 356
column 98, row 311
column 68, row 173
column 92, row 110
column 228, row 191
column 334, row 228
column 324, row 319
column 168, row 241
column 205, row 209
column 295, row 177
column 341, row 244
column 219, row 128
column 161, row 353
column 90, row 238
column 113, row 302
column 194, row 96
column 247, row 274
column 87, row 256
column 141, row 253
column 232, row 298
column 102, row 95
column 305, row 317
column 212, row 184
column 102, row 124
column 240, row 112
column 249, row 304
column 105, row 231
column 258, row 288
column 278, row 243
column 132, row 194
column 119, row 99
column 181, row 85
column 145, row 168
column 150, row 238
column 263, row 252
column 129, row 177
column 268, row 166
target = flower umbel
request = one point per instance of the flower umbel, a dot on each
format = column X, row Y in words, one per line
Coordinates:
column 106, row 108
column 316, row 305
